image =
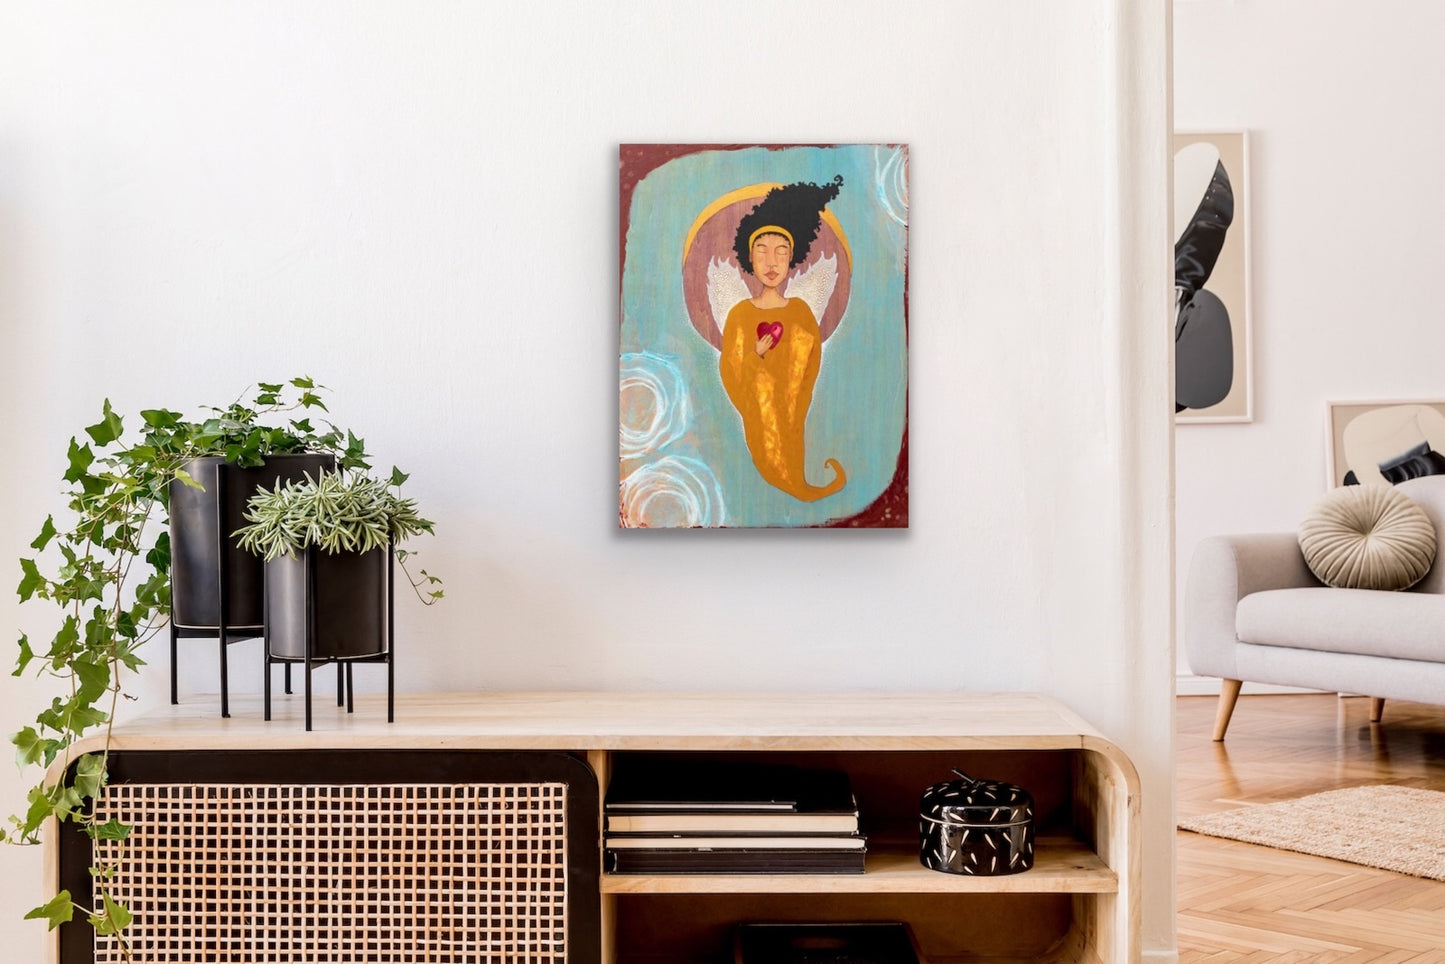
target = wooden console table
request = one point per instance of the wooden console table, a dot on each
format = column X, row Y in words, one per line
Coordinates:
column 1080, row 902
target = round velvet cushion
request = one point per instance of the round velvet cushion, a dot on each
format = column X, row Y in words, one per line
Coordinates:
column 1367, row 537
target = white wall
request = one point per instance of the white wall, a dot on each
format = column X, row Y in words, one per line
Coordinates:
column 417, row 205
column 1343, row 108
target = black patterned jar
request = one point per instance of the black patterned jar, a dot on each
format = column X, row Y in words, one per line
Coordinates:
column 981, row 828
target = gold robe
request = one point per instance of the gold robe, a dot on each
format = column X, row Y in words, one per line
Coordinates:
column 772, row 392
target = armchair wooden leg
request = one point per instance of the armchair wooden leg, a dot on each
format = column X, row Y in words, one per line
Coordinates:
column 1377, row 709
column 1228, row 693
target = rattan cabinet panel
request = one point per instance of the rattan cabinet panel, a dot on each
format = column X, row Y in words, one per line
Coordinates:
column 334, row 858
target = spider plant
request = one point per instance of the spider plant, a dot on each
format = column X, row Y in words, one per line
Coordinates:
column 337, row 512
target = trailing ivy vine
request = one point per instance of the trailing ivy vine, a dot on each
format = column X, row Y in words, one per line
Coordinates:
column 105, row 568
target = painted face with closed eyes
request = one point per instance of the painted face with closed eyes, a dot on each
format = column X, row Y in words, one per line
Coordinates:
column 770, row 255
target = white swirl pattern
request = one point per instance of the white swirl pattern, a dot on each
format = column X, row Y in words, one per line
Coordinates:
column 890, row 181
column 673, row 492
column 655, row 410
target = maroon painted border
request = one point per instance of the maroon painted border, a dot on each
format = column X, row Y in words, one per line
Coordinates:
column 636, row 161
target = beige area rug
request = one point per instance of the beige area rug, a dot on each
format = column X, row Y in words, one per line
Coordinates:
column 1393, row 828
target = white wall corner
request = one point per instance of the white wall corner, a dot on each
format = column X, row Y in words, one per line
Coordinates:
column 1142, row 91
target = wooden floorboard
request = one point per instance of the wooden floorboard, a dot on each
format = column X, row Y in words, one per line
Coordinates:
column 1244, row 904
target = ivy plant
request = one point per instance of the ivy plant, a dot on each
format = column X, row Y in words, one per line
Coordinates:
column 104, row 568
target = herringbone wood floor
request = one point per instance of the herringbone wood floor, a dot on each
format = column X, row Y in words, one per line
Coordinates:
column 1243, row 903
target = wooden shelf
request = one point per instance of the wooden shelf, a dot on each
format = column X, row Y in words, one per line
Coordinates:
column 623, row 721
column 1061, row 866
column 1079, row 903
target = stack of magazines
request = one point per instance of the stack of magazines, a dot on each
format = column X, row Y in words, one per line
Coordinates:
column 665, row 816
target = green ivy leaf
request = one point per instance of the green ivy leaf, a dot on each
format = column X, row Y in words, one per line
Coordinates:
column 185, row 479
column 160, row 553
column 89, row 775
column 142, row 455
column 26, row 655
column 59, row 910
column 62, row 647
column 303, row 382
column 68, row 804
column 160, row 418
column 125, row 626
column 99, row 631
column 40, row 810
column 70, row 716
column 123, row 538
column 29, row 747
column 354, row 455
column 398, row 477
column 128, row 658
column 94, row 677
column 30, row 580
column 112, row 829
column 80, row 458
column 47, row 532
column 108, row 429
column 149, row 597
column 115, row 919
column 211, row 430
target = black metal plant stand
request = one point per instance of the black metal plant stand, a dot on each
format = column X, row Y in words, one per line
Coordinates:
column 345, row 690
column 202, row 521
column 224, row 631
column 227, row 635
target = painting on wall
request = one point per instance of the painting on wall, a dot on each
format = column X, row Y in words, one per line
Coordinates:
column 1212, row 371
column 763, row 348
column 1383, row 443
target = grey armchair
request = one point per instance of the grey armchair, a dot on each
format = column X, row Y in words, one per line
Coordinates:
column 1254, row 612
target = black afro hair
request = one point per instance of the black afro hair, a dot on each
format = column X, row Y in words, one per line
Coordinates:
column 797, row 208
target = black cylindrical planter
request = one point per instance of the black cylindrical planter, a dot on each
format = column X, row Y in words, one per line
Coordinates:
column 339, row 598
column 197, row 522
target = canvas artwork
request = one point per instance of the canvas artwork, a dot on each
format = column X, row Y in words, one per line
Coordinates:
column 1212, row 371
column 763, row 365
column 1382, row 443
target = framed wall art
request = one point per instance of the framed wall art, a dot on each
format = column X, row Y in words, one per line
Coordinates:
column 1384, row 442
column 763, row 336
column 1212, row 365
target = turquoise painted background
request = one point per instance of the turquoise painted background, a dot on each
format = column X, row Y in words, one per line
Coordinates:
column 859, row 401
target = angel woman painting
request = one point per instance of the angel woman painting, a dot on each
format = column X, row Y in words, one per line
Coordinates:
column 780, row 397
column 771, row 343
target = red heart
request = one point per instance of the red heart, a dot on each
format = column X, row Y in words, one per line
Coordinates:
column 773, row 328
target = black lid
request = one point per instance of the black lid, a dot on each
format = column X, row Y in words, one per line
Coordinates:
column 967, row 795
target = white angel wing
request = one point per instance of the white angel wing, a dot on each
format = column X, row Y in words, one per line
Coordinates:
column 725, row 288
column 815, row 284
